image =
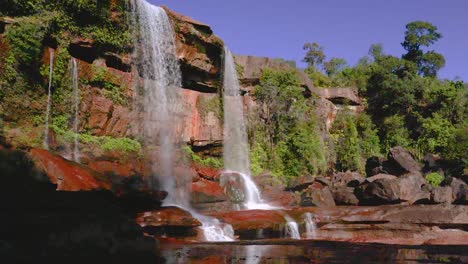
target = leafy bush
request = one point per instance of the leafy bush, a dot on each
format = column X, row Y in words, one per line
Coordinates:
column 119, row 144
column 344, row 131
column 394, row 133
column 434, row 178
column 25, row 40
column 211, row 162
column 286, row 140
column 21, row 7
column 436, row 135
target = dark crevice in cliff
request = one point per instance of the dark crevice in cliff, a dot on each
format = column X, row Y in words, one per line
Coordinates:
column 197, row 80
column 82, row 52
column 115, row 61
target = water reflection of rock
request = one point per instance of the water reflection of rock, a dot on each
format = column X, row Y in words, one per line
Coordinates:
column 313, row 252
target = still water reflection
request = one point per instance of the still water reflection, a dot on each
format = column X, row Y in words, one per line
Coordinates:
column 293, row 251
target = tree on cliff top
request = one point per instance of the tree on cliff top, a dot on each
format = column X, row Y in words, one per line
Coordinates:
column 420, row 34
column 314, row 55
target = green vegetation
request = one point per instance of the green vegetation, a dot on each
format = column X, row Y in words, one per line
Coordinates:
column 212, row 162
column 406, row 104
column 110, row 83
column 286, row 139
column 434, row 179
column 240, row 71
column 207, row 105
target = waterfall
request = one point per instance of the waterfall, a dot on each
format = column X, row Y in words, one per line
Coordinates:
column 76, row 103
column 311, row 227
column 155, row 54
column 46, row 130
column 158, row 66
column 236, row 146
column 291, row 228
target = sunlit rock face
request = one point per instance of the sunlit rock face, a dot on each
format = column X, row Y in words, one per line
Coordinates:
column 199, row 52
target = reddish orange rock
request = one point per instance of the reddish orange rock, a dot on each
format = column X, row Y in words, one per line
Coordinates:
column 68, row 175
column 205, row 191
column 120, row 169
column 168, row 216
column 207, row 173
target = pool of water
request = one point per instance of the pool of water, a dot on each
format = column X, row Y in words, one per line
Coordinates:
column 293, row 251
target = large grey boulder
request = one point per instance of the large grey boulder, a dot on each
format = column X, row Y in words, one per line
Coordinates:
column 401, row 161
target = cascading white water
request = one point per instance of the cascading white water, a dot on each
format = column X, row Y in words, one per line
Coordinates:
column 213, row 230
column 291, row 228
column 236, row 146
column 311, row 227
column 49, row 92
column 158, row 66
column 76, row 103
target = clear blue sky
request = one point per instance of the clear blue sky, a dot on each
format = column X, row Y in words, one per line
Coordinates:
column 346, row 28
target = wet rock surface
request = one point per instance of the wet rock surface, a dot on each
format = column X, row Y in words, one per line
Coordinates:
column 46, row 225
column 393, row 224
column 68, row 175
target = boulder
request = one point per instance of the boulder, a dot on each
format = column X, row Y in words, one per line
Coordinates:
column 345, row 196
column 205, row 191
column 374, row 166
column 350, row 179
column 407, row 188
column 380, row 176
column 67, row 175
column 324, row 181
column 401, row 161
column 207, row 173
column 410, row 188
column 302, row 182
column 442, row 195
column 317, row 195
column 382, row 191
column 460, row 191
column 168, row 216
column 274, row 192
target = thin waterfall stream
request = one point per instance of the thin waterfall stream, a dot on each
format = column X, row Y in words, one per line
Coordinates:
column 236, row 179
column 76, row 104
column 49, row 92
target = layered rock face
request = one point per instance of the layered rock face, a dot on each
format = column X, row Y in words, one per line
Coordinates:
column 328, row 101
column 199, row 51
column 397, row 225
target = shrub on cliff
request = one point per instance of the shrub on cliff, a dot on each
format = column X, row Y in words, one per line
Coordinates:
column 286, row 140
column 434, row 178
